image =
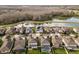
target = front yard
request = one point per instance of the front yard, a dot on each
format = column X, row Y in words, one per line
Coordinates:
column 59, row 51
column 73, row 52
column 36, row 51
column 33, row 51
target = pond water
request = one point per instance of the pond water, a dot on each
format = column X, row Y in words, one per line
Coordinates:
column 73, row 19
column 65, row 24
column 70, row 22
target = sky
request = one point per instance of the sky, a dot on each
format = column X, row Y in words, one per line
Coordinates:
column 39, row 2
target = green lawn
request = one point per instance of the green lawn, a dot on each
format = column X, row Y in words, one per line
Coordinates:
column 56, row 51
column 61, row 17
column 36, row 51
column 74, row 52
column 44, row 53
column 33, row 51
column 59, row 51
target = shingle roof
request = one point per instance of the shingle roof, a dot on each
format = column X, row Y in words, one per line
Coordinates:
column 6, row 46
column 19, row 42
column 69, row 41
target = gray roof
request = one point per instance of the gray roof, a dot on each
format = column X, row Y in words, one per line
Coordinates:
column 44, row 41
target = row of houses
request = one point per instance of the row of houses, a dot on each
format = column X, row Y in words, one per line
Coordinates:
column 45, row 42
column 20, row 42
column 45, row 38
column 31, row 28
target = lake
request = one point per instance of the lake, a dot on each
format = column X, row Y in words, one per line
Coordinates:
column 70, row 22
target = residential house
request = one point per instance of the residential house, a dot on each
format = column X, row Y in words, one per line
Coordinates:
column 76, row 41
column 7, row 44
column 56, row 41
column 32, row 42
column 39, row 29
column 69, row 43
column 19, row 43
column 45, row 44
column 2, row 31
